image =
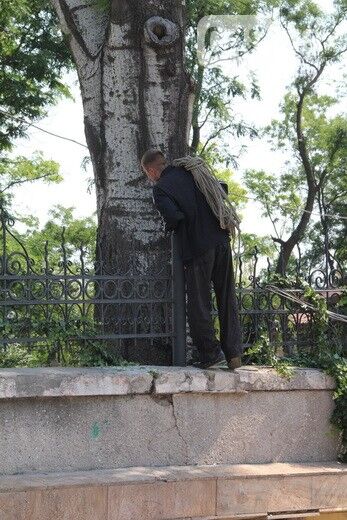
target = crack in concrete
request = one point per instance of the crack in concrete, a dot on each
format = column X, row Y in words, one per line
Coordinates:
column 178, row 429
column 211, row 378
column 167, row 400
column 152, row 387
column 188, row 378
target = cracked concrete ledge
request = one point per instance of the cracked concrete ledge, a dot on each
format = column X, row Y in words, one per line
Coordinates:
column 74, row 382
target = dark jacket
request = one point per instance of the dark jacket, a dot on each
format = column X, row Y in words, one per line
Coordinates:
column 186, row 211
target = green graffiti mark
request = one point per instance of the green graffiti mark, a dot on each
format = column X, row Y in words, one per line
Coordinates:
column 95, row 430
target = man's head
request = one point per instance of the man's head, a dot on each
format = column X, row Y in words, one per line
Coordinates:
column 153, row 163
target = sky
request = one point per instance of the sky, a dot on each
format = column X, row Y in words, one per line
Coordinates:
column 273, row 62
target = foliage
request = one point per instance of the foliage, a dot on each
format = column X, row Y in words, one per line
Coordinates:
column 20, row 170
column 61, row 227
column 215, row 90
column 64, row 346
column 315, row 140
column 263, row 246
column 64, row 343
column 327, row 355
column 77, row 232
column 263, row 352
column 33, row 58
column 281, row 196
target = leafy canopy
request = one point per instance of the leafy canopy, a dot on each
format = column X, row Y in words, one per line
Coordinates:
column 33, row 59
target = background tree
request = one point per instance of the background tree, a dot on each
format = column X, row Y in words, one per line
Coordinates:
column 216, row 92
column 329, row 231
column 33, row 59
column 77, row 232
column 302, row 128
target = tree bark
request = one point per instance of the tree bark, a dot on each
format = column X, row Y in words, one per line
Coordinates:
column 288, row 245
column 195, row 113
column 136, row 95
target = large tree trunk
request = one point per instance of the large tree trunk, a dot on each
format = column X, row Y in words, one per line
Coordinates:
column 136, row 95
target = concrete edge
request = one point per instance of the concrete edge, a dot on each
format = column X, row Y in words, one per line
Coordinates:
column 147, row 475
column 74, row 382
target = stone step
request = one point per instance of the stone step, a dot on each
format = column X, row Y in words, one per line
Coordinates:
column 205, row 492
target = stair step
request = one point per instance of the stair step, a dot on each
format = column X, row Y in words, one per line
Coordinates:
column 204, row 492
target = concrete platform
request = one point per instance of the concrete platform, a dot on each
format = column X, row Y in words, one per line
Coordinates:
column 106, row 418
column 204, row 492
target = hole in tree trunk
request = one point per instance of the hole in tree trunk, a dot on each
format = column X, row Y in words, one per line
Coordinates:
column 159, row 31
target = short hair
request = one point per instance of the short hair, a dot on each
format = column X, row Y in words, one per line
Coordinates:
column 150, row 156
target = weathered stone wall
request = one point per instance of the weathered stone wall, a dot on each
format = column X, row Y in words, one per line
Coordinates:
column 92, row 419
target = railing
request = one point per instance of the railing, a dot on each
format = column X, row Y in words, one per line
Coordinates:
column 287, row 324
column 65, row 300
column 74, row 299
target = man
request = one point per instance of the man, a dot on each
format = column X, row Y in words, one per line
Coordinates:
column 206, row 255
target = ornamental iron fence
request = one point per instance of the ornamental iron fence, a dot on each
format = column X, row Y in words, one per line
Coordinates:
column 287, row 324
column 62, row 301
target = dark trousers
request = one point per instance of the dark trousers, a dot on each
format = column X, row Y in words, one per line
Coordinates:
column 214, row 265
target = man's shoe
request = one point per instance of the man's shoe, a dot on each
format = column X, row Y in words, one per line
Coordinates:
column 234, row 362
column 219, row 361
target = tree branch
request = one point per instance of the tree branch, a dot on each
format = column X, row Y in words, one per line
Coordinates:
column 215, row 134
column 200, row 125
column 22, row 181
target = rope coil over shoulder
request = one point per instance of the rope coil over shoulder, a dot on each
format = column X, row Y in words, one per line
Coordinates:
column 215, row 195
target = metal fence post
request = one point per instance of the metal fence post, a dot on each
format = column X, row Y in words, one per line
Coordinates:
column 179, row 306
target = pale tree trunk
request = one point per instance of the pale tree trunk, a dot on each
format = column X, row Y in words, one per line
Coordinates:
column 136, row 95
